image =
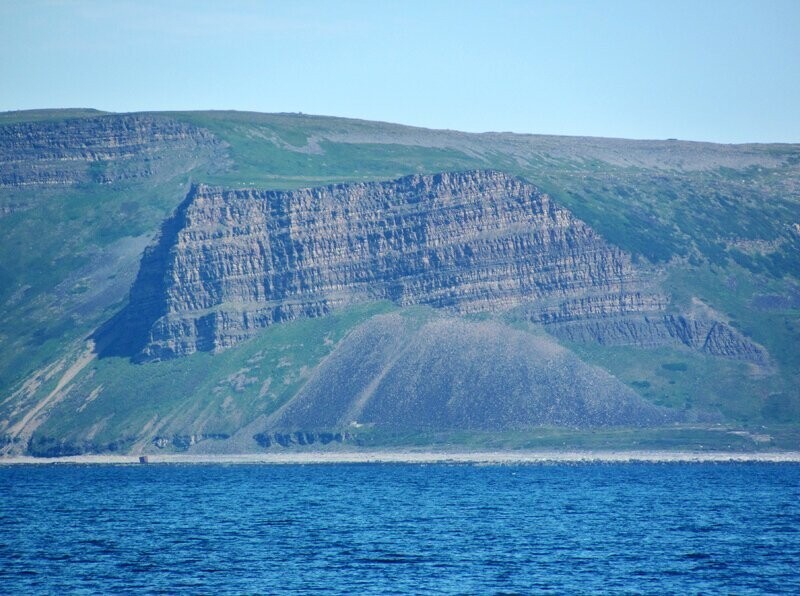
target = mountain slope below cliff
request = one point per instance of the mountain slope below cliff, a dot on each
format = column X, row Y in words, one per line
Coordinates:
column 400, row 373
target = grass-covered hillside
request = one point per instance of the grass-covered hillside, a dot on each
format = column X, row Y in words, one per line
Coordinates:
column 83, row 193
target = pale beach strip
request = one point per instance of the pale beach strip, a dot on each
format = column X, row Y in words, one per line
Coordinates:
column 422, row 457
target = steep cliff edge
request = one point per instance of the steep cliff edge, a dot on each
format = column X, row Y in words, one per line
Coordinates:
column 99, row 149
column 230, row 262
column 80, row 198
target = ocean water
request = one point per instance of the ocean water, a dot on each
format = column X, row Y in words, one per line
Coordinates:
column 389, row 529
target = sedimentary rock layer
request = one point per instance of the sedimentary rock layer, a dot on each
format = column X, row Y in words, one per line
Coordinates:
column 703, row 335
column 98, row 149
column 233, row 261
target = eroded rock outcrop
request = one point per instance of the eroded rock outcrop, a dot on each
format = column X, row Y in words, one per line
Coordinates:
column 99, row 149
column 704, row 335
column 230, row 262
column 295, row 438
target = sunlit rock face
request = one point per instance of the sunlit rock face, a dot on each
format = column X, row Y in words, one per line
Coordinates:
column 230, row 262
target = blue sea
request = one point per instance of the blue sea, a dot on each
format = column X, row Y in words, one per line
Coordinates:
column 394, row 529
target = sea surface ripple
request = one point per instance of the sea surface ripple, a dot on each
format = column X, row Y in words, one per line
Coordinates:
column 395, row 528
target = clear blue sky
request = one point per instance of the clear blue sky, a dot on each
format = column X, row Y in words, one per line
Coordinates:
column 718, row 70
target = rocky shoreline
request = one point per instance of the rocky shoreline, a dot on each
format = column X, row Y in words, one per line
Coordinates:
column 424, row 457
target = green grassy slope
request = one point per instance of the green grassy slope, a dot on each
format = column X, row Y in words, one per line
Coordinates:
column 67, row 262
column 295, row 151
column 45, row 114
column 202, row 394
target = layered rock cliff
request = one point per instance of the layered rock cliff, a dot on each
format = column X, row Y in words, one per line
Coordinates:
column 82, row 193
column 98, row 149
column 704, row 335
column 230, row 262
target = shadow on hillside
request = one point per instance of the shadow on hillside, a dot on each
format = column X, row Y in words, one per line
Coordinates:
column 127, row 333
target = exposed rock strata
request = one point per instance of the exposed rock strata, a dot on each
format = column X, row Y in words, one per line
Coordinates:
column 101, row 149
column 291, row 439
column 711, row 337
column 183, row 442
column 230, row 262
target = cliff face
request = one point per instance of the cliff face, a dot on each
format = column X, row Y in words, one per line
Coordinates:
column 703, row 335
column 233, row 261
column 101, row 149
